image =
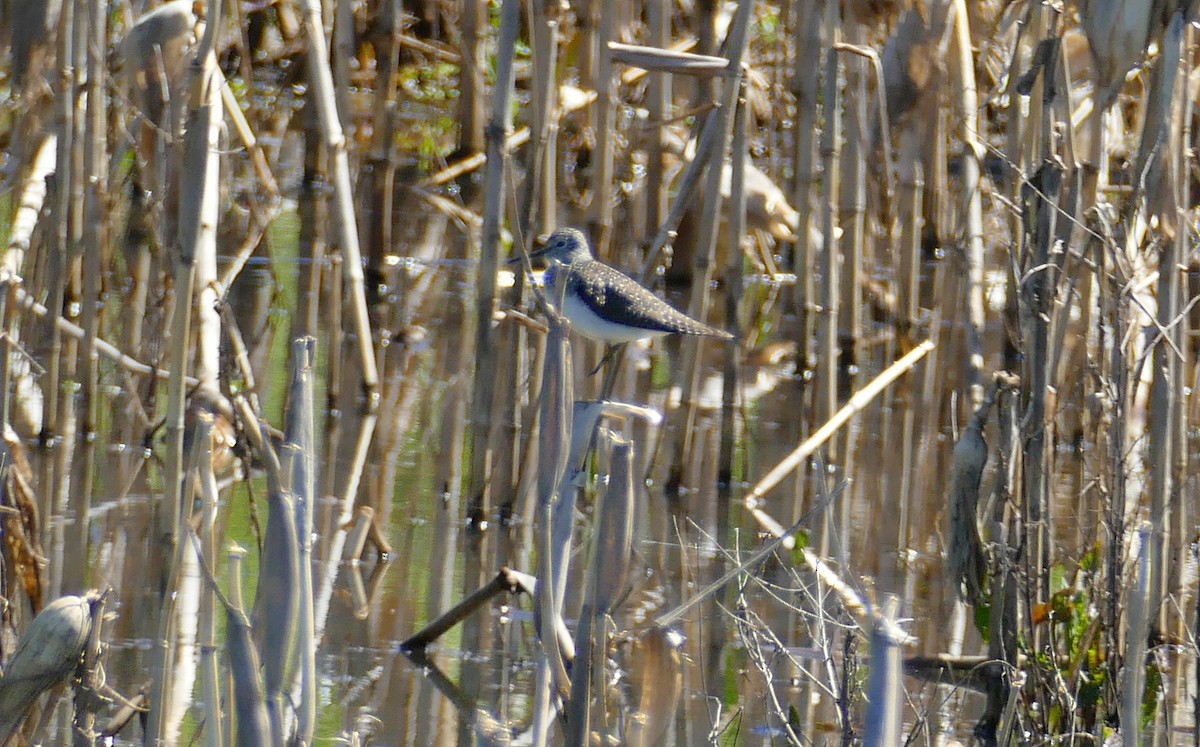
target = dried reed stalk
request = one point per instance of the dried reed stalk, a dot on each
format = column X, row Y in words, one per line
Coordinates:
column 1165, row 403
column 311, row 209
column 321, row 79
column 826, row 328
column 658, row 107
column 505, row 580
column 852, row 208
column 472, row 91
column 1141, row 610
column 540, row 216
column 963, row 69
column 483, row 394
column 556, row 502
column 198, row 196
column 246, row 692
column 301, row 441
column 95, row 241
column 709, row 223
column 855, row 404
column 882, row 725
column 603, row 122
column 808, row 46
column 733, row 298
column 25, row 300
column 206, row 483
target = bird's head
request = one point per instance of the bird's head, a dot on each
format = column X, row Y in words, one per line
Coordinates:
column 566, row 245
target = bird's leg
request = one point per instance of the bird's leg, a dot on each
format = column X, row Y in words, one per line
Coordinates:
column 610, row 352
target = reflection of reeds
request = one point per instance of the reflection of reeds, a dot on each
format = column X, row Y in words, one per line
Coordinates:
column 609, row 572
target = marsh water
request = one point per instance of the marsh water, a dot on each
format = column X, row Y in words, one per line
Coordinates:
column 438, row 554
column 474, row 684
column 1005, row 512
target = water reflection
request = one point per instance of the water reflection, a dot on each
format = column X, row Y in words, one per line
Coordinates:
column 395, row 546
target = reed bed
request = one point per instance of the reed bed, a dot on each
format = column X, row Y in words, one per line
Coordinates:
column 292, row 453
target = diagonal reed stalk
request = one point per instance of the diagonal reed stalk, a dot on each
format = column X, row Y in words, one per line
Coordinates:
column 856, row 403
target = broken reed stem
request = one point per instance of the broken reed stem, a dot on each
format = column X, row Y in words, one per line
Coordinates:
column 301, row 440
column 852, row 217
column 882, row 725
column 169, row 510
column 505, row 580
column 95, row 240
column 278, row 603
column 1140, row 612
column 889, row 170
column 175, row 605
column 210, row 691
column 555, row 500
column 245, row 692
column 857, row 402
column 106, row 349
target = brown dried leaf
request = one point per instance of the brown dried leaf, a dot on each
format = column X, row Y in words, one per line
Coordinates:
column 22, row 550
column 16, row 452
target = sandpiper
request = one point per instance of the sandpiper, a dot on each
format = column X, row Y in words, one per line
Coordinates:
column 605, row 304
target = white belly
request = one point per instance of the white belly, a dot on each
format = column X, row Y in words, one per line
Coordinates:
column 590, row 324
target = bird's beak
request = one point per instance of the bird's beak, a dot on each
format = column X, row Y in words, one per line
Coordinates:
column 516, row 258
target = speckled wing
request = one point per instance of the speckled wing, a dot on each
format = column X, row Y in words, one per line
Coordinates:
column 614, row 296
